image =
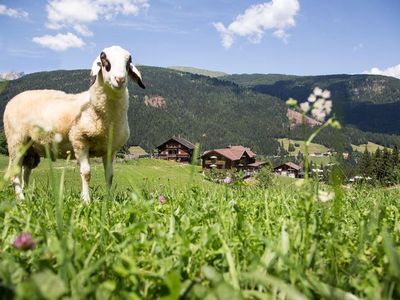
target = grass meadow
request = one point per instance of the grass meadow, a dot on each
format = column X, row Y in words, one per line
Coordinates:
column 206, row 241
column 313, row 147
column 371, row 147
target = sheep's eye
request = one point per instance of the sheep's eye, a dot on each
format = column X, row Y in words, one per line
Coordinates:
column 105, row 62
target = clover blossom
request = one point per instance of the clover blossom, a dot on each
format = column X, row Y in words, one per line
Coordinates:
column 24, row 241
column 161, row 199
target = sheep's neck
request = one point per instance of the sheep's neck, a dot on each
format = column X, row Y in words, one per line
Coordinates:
column 106, row 101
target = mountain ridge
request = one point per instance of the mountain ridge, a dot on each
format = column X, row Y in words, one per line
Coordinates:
column 198, row 71
column 368, row 102
column 214, row 112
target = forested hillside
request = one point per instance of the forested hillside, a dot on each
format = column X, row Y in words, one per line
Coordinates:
column 210, row 111
column 368, row 102
column 206, row 110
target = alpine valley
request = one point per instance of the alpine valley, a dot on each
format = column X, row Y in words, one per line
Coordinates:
column 246, row 109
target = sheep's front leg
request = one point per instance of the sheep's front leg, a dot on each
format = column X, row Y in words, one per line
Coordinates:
column 16, row 181
column 108, row 170
column 14, row 171
column 85, row 174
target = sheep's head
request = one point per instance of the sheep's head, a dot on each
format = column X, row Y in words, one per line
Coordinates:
column 114, row 66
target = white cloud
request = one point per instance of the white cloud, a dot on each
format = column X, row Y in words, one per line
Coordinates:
column 82, row 30
column 78, row 13
column 277, row 15
column 59, row 42
column 11, row 12
column 391, row 71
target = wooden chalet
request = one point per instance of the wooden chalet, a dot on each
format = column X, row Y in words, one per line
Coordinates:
column 237, row 157
column 177, row 149
column 289, row 169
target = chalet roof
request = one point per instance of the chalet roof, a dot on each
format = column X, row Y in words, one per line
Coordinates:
column 181, row 141
column 240, row 147
column 233, row 152
column 184, row 142
column 291, row 165
column 257, row 164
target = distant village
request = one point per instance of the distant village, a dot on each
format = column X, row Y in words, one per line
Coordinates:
column 233, row 157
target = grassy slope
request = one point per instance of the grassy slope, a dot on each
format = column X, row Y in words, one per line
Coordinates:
column 127, row 174
column 371, row 147
column 313, row 148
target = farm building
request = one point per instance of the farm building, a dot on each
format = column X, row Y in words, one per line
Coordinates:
column 237, row 157
column 135, row 152
column 176, row 148
column 288, row 169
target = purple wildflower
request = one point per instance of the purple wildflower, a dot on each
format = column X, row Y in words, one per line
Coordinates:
column 24, row 241
column 161, row 199
column 228, row 180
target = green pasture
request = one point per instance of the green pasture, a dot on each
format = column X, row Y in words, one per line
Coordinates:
column 371, row 147
column 207, row 241
column 313, row 148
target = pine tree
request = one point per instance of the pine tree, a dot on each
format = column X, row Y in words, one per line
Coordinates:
column 366, row 163
column 387, row 167
column 395, row 161
column 377, row 165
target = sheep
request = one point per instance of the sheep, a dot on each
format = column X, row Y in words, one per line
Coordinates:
column 90, row 124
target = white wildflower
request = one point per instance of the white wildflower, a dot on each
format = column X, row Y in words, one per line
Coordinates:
column 312, row 98
column 328, row 106
column 326, row 94
column 319, row 103
column 318, row 114
column 305, row 107
column 317, row 91
column 228, row 180
column 324, row 196
column 57, row 138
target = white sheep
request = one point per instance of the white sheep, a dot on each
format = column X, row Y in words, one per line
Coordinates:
column 90, row 124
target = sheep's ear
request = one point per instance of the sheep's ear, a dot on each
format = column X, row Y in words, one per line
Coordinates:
column 96, row 67
column 135, row 75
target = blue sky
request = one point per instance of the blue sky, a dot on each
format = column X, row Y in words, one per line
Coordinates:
column 277, row 36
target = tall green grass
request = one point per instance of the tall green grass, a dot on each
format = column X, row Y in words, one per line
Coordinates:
column 206, row 242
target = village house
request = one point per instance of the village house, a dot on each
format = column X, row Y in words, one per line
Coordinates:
column 289, row 169
column 177, row 149
column 232, row 157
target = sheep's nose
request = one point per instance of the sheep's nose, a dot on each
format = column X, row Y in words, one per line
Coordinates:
column 119, row 80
